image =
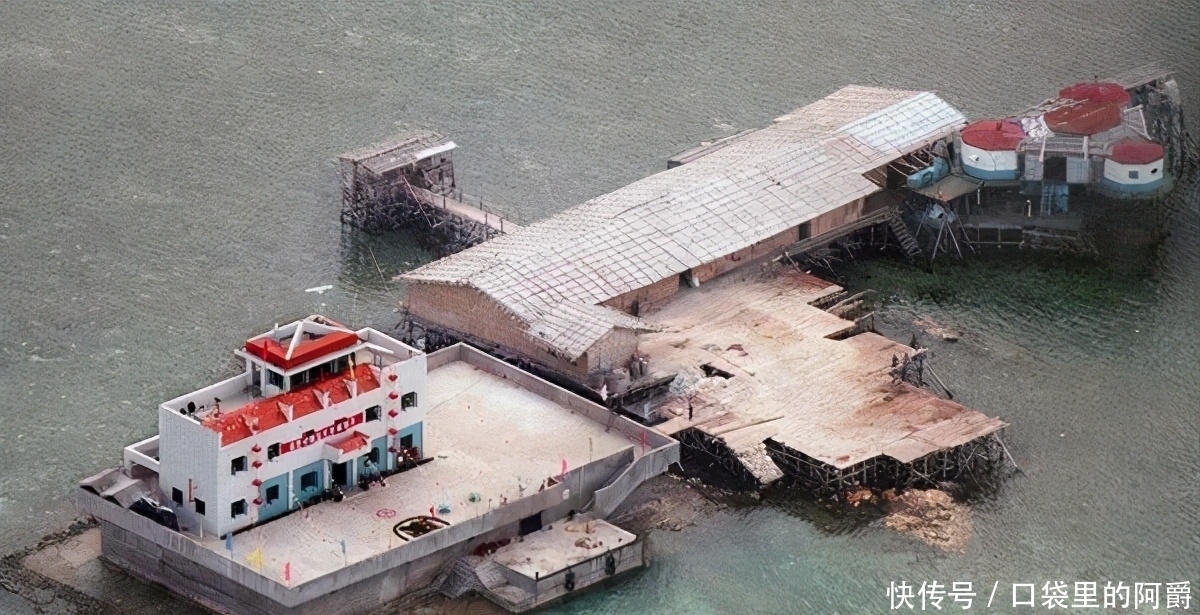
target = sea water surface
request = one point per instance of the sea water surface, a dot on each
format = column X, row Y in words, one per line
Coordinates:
column 168, row 188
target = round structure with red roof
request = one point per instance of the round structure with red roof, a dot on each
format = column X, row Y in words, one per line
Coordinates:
column 1086, row 117
column 1136, row 151
column 989, row 149
column 1089, row 108
column 1134, row 166
column 1097, row 91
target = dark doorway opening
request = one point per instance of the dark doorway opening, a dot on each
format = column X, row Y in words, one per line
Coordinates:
column 805, row 231
column 1055, row 169
column 341, row 474
column 530, row 524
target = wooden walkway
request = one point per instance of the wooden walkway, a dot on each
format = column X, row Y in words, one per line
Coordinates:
column 462, row 210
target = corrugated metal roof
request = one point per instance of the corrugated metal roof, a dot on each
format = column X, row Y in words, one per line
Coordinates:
column 400, row 151
column 806, row 163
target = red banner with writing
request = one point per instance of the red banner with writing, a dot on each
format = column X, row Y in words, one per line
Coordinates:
column 312, row 437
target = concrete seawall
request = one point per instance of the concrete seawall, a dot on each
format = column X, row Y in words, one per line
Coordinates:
column 162, row 556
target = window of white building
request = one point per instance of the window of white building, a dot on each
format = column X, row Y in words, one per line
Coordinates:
column 308, row 481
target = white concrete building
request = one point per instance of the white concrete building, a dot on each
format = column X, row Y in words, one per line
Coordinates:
column 318, row 408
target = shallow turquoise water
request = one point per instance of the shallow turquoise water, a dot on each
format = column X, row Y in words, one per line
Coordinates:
column 167, row 188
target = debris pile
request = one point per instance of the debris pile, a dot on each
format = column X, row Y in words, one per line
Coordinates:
column 930, row 515
column 854, row 498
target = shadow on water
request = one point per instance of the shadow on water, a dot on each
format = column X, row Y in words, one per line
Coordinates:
column 1025, row 278
column 369, row 262
column 838, row 518
column 1129, row 235
column 830, row 518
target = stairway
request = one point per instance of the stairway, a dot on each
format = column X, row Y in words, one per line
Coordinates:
column 904, row 237
column 1054, row 198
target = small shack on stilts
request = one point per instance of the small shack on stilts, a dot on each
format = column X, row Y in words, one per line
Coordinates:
column 408, row 182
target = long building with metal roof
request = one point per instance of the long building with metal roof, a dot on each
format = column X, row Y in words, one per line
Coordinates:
column 565, row 292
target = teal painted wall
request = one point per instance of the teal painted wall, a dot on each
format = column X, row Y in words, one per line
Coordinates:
column 416, row 431
column 280, row 505
column 316, row 466
column 381, row 453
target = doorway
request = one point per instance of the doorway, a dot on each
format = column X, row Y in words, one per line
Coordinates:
column 1055, row 169
column 341, row 474
column 530, row 524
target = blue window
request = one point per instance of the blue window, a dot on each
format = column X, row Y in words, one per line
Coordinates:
column 308, row 481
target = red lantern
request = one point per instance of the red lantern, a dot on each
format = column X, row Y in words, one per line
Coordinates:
column 256, row 449
column 392, row 449
column 256, row 482
column 393, row 396
column 258, row 501
column 392, row 430
column 392, row 377
column 257, row 463
column 393, row 413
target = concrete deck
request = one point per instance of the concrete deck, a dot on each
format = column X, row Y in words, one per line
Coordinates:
column 485, row 435
column 832, row 400
column 554, row 548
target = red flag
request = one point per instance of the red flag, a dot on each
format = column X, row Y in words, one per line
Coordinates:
column 431, row 512
column 287, row 571
column 564, row 467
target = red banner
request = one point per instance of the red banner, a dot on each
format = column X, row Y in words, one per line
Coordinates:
column 339, row 426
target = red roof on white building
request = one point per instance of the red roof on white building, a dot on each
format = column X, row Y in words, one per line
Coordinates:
column 1135, row 151
column 994, row 135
